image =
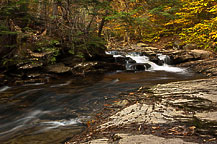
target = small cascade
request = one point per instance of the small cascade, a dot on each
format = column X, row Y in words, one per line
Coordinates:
column 4, row 88
column 164, row 58
column 134, row 61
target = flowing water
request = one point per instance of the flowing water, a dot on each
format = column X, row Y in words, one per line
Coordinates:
column 51, row 113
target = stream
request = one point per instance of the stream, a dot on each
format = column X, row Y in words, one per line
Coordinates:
column 51, row 113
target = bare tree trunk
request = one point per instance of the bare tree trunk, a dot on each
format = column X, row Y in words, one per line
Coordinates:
column 101, row 27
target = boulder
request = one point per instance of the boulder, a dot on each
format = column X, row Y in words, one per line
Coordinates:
column 32, row 65
column 139, row 66
column 142, row 45
column 121, row 60
column 156, row 60
column 58, row 68
column 130, row 60
column 201, row 54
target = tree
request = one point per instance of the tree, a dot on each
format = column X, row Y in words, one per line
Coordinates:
column 61, row 26
column 198, row 21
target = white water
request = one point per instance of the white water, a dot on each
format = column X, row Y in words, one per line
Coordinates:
column 145, row 59
column 155, row 67
column 55, row 124
column 4, row 88
column 32, row 119
column 60, row 85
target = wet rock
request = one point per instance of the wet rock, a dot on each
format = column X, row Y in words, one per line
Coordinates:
column 107, row 58
column 35, row 80
column 84, row 67
column 121, row 60
column 156, row 60
column 58, row 68
column 31, row 65
column 38, row 55
column 96, row 67
column 130, row 60
column 33, row 75
column 139, row 66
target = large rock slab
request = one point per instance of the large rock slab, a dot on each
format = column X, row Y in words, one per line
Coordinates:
column 140, row 139
column 149, row 139
column 207, row 67
column 58, row 68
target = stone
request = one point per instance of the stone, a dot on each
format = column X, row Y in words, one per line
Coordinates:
column 139, row 66
column 31, row 65
column 58, row 68
column 149, row 139
column 182, row 57
column 209, row 116
column 130, row 60
column 121, row 60
column 156, row 60
column 201, row 54
column 151, row 48
column 202, row 88
column 208, row 67
column 142, row 45
column 139, row 113
column 98, row 141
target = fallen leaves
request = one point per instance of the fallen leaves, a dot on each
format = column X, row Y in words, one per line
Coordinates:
column 182, row 130
column 131, row 93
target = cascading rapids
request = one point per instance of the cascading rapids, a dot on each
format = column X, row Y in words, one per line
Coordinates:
column 142, row 62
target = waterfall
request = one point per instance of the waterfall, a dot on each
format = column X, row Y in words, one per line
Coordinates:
column 142, row 62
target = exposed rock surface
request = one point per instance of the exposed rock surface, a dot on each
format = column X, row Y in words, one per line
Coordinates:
column 198, row 96
column 141, row 139
column 186, row 109
column 207, row 66
column 58, row 68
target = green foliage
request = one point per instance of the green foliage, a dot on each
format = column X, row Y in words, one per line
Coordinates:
column 51, row 47
column 87, row 47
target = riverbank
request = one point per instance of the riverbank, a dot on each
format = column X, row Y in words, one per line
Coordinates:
column 177, row 112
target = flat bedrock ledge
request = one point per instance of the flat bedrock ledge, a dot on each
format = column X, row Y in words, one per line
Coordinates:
column 190, row 105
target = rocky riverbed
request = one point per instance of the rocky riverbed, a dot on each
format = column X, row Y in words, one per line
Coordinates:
column 181, row 112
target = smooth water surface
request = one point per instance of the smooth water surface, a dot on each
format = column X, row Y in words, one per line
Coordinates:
column 51, row 113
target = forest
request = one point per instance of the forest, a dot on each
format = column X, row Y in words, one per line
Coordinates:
column 82, row 28
column 108, row 71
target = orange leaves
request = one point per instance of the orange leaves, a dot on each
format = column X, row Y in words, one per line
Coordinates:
column 181, row 130
column 131, row 93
